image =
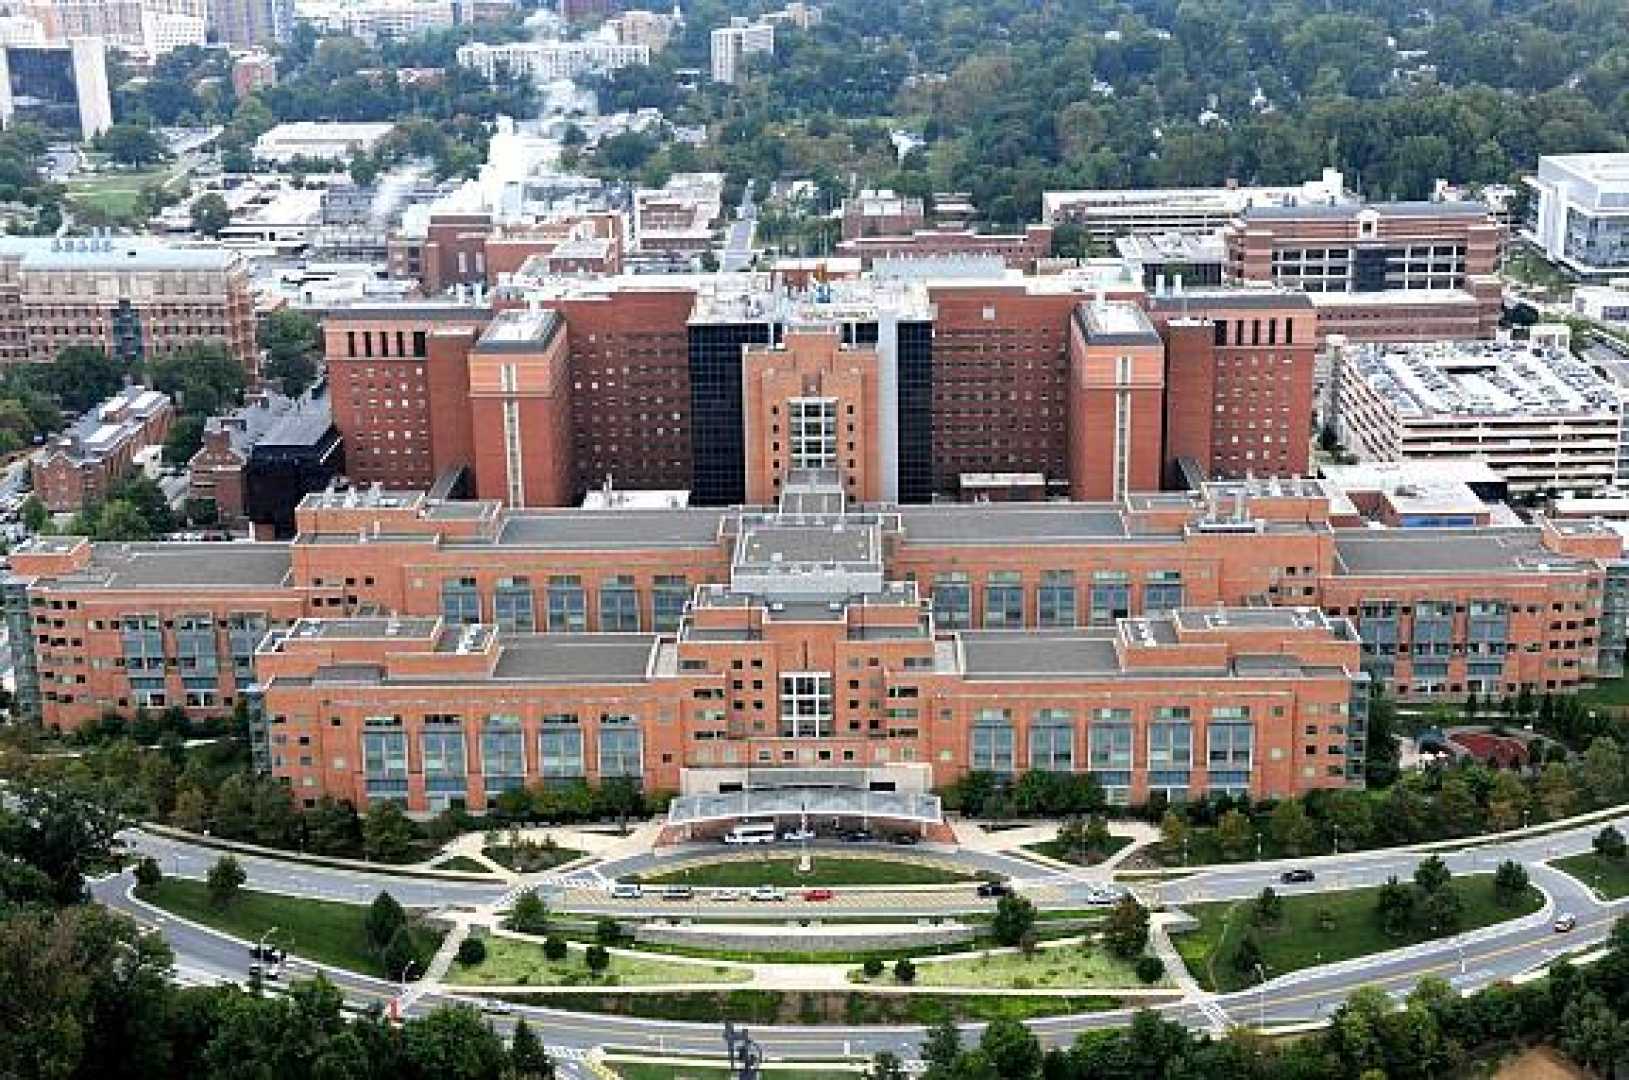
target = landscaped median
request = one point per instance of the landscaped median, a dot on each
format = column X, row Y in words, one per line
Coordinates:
column 1608, row 876
column 1323, row 928
column 744, row 871
column 325, row 931
column 514, row 962
column 812, row 1007
column 1068, row 965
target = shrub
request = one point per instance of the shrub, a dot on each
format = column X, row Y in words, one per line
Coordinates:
column 226, row 877
column 148, row 875
column 607, row 931
column 530, row 915
column 904, row 971
column 1150, row 969
column 597, row 958
column 471, row 951
column 873, row 968
column 554, row 948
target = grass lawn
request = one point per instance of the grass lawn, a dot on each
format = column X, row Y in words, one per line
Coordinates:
column 321, row 930
column 1058, row 967
column 116, row 193
column 520, row 963
column 1300, row 941
column 1055, row 849
column 1611, row 876
column 464, row 865
column 1607, row 692
column 644, row 1070
column 823, row 870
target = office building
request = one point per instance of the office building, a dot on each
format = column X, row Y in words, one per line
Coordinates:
column 1540, row 419
column 308, row 140
column 880, row 212
column 1378, row 272
column 1580, row 213
column 1105, row 215
column 250, row 24
column 148, row 27
column 257, row 462
column 130, row 296
column 732, row 44
column 61, row 88
column 100, row 448
column 1603, row 303
column 1016, row 251
column 1191, row 259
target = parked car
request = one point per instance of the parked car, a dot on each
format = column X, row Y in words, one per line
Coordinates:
column 1104, row 895
column 678, row 892
column 795, row 835
column 626, row 890
column 994, row 888
column 1297, row 876
column 767, row 893
column 727, row 894
column 1566, row 923
column 818, row 895
column 906, row 839
column 856, row 836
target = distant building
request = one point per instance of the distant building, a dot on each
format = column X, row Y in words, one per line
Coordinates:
column 149, row 27
column 61, row 88
column 258, row 462
column 1189, row 259
column 732, row 44
column 372, row 20
column 1017, row 251
column 1580, row 213
column 131, row 296
column 1603, row 303
column 100, row 448
column 248, row 24
column 880, row 212
column 1107, row 214
column 337, row 142
column 547, row 61
column 798, row 14
column 253, row 71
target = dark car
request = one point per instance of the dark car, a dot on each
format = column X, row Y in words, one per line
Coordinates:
column 906, row 839
column 994, row 888
column 856, row 836
column 1297, row 877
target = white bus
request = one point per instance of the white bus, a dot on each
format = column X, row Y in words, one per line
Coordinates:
column 751, row 832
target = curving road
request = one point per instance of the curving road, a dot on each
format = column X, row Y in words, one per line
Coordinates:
column 1468, row 961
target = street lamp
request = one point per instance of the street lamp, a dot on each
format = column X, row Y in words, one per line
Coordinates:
column 1261, row 998
column 260, row 946
column 1460, row 946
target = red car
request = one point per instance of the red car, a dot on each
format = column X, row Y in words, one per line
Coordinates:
column 818, row 894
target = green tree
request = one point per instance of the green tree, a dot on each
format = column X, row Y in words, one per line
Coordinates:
column 401, row 957
column 1292, row 830
column 554, row 948
column 386, row 918
column 1267, row 910
column 1014, row 916
column 1609, row 843
column 1510, row 882
column 1507, row 802
column 64, row 828
column 1235, row 833
column 191, row 810
column 1432, row 875
column 1457, row 807
column 387, row 834
column 1173, row 833
column 210, row 214
column 597, row 958
column 527, row 1058
column 1394, row 907
column 1556, row 792
column 530, row 915
column 1248, row 958
column 293, row 343
column 453, row 1043
column 886, row 1066
column 185, row 438
column 148, row 875
column 34, row 514
column 1382, row 750
column 226, row 877
column 235, row 807
column 1442, row 911
column 1125, row 931
column 471, row 951
column 904, row 970
column 1600, row 772
column 131, row 144
column 1012, row 1048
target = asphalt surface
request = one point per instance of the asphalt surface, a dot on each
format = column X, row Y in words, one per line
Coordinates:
column 1468, row 961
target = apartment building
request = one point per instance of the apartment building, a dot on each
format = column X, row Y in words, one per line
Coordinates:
column 130, row 296
column 973, row 376
column 1580, row 213
column 1404, row 271
column 680, row 647
column 732, row 44
column 100, row 448
column 548, row 61
column 1541, row 419
column 882, row 212
column 1017, row 251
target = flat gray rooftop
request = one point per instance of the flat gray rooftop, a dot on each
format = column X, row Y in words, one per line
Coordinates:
column 767, row 544
column 1029, row 523
column 609, row 529
column 1029, row 654
column 1445, row 551
column 179, row 565
column 575, row 657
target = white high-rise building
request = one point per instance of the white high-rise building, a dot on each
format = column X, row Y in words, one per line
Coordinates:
column 1580, row 213
column 546, row 61
column 739, row 39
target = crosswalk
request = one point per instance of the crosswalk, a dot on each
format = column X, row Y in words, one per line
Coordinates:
column 589, row 878
column 1219, row 1020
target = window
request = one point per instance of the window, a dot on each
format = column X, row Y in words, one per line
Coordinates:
column 560, row 748
column 503, row 754
column 621, row 748
column 1170, row 742
column 1055, row 599
column 1052, row 740
column 1162, row 591
column 669, row 594
column 619, row 604
column 512, row 605
column 813, row 430
column 952, row 600
column 992, row 749
column 1111, row 752
column 1231, row 745
column 1003, row 600
column 384, row 758
column 1111, row 597
column 244, row 631
column 806, row 704
column 444, row 772
column 568, row 610
column 460, row 601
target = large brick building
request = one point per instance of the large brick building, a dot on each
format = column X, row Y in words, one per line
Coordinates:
column 694, row 648
column 131, row 297
column 969, row 377
column 99, row 449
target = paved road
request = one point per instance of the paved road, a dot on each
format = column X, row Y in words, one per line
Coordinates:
column 1468, row 961
column 738, row 236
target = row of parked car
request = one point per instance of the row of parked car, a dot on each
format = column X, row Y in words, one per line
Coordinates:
column 627, row 890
